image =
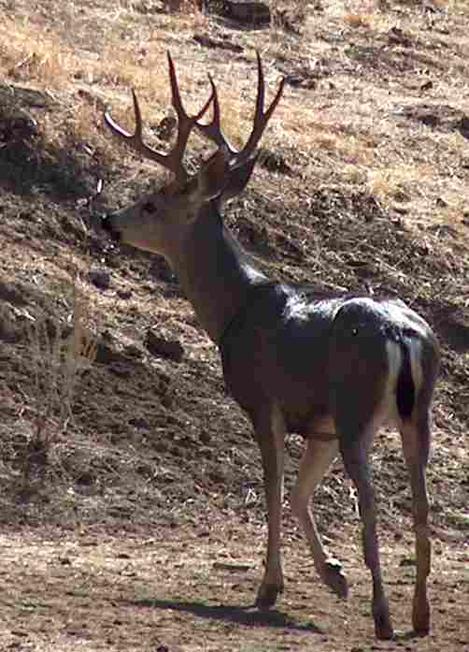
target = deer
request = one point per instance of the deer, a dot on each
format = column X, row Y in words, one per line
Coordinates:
column 330, row 367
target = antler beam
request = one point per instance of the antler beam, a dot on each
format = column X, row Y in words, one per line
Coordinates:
column 173, row 160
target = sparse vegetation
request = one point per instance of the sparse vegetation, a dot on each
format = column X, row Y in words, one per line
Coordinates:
column 364, row 185
column 60, row 353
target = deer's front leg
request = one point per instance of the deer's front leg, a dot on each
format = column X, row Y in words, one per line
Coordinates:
column 316, row 459
column 270, row 434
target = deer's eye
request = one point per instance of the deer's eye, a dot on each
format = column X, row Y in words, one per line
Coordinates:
column 149, row 208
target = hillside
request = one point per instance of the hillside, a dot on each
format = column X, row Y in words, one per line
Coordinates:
column 133, row 444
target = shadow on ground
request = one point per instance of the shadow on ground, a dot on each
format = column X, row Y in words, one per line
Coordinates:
column 249, row 616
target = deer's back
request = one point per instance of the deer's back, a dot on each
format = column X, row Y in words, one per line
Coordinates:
column 284, row 348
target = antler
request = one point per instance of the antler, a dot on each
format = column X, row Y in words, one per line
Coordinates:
column 213, row 130
column 173, row 161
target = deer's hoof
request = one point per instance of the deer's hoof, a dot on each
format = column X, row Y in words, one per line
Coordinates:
column 384, row 631
column 267, row 595
column 334, row 577
column 421, row 618
column 383, row 626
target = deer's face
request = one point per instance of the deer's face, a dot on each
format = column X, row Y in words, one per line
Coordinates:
column 160, row 222
column 157, row 222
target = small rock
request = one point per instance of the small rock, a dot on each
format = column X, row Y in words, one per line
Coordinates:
column 397, row 36
column 233, row 567
column 223, row 44
column 301, row 80
column 217, row 477
column 120, row 369
column 149, row 7
column 407, row 561
column 251, row 14
column 402, row 210
column 86, row 478
column 290, row 18
column 18, row 632
column 105, row 354
column 140, row 423
column 8, row 328
column 18, row 129
column 463, row 126
column 274, row 162
column 100, row 278
column 426, row 86
column 11, row 293
column 133, row 351
column 205, row 437
column 124, row 294
column 166, row 128
column 161, row 347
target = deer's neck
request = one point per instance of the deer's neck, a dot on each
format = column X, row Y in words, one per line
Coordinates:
column 215, row 273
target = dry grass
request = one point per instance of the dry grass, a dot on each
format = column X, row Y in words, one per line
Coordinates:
column 33, row 53
column 59, row 354
column 400, row 183
column 30, row 52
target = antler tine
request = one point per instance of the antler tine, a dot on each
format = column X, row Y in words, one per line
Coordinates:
column 185, row 122
column 176, row 96
column 261, row 117
column 172, row 161
column 213, row 130
column 135, row 140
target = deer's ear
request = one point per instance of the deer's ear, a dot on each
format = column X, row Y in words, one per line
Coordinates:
column 212, row 177
column 238, row 178
column 216, row 179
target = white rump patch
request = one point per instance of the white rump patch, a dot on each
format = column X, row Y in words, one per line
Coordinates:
column 394, row 353
column 415, row 350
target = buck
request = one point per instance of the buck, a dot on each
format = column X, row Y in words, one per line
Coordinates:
column 332, row 368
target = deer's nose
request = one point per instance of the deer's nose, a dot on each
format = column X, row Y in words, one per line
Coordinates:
column 108, row 226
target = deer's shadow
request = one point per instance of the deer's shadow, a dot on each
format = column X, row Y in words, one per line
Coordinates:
column 241, row 615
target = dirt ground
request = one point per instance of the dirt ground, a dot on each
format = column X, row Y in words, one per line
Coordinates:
column 191, row 588
column 131, row 498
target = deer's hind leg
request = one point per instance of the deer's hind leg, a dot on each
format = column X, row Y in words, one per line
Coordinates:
column 317, row 457
column 415, row 434
column 354, row 448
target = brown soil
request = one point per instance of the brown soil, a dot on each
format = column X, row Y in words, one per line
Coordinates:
column 191, row 588
column 137, row 524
